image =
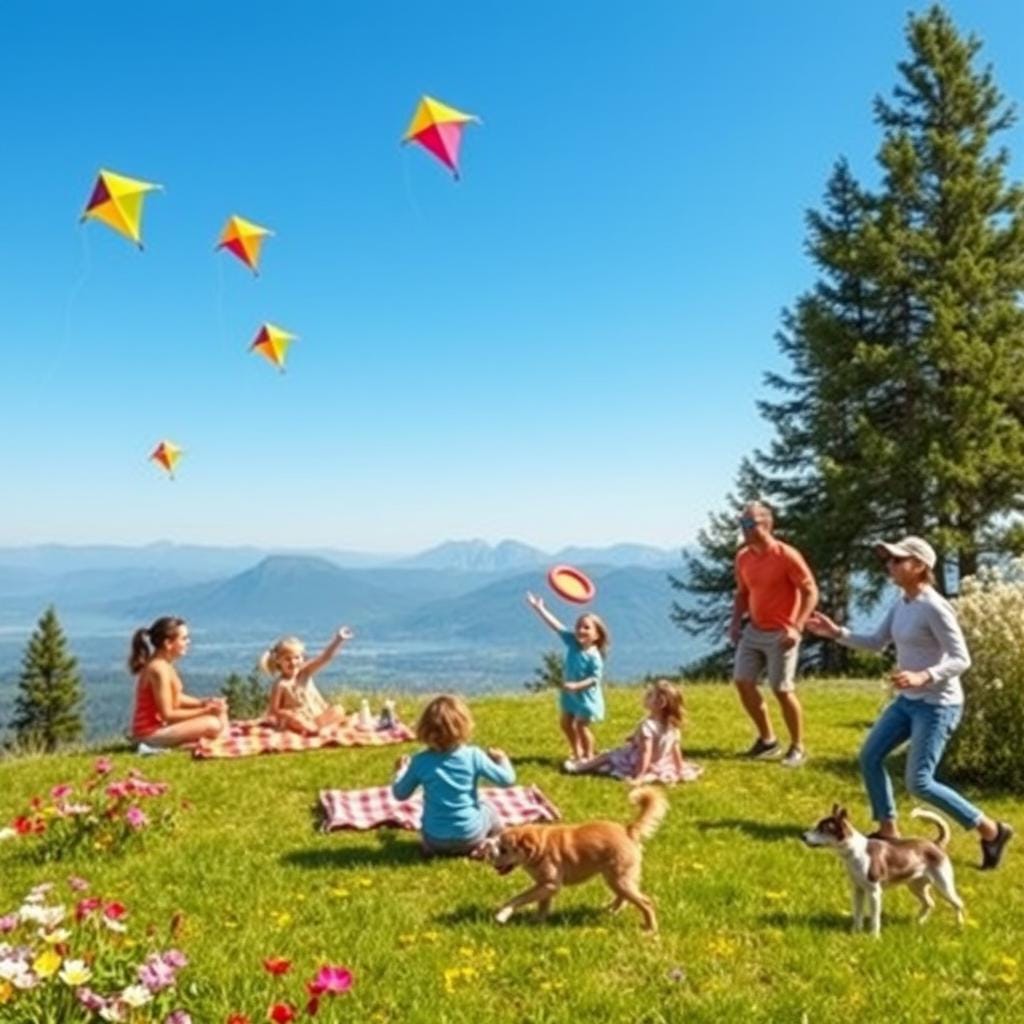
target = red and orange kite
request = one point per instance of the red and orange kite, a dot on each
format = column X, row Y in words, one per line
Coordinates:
column 117, row 202
column 244, row 239
column 272, row 342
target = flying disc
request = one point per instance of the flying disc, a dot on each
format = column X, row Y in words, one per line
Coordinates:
column 571, row 584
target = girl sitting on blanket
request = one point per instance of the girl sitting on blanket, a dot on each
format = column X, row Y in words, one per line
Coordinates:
column 295, row 702
column 455, row 821
column 652, row 752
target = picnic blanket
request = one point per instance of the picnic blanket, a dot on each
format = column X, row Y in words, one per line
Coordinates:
column 377, row 808
column 244, row 739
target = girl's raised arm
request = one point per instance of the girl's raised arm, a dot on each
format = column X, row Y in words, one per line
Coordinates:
column 343, row 635
column 537, row 604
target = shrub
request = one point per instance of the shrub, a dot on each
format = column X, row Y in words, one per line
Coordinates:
column 247, row 696
column 549, row 676
column 987, row 748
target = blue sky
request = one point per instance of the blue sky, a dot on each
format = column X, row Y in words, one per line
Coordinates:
column 564, row 347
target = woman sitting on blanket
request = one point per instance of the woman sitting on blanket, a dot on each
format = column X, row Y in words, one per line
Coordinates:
column 455, row 821
column 164, row 715
column 295, row 701
column 652, row 752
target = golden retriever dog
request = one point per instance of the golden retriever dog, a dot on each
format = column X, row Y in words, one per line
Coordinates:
column 557, row 855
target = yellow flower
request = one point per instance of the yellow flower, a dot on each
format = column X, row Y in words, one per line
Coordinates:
column 466, row 951
column 366, row 883
column 406, row 938
column 339, row 892
column 6, row 991
column 47, row 963
column 561, row 951
column 1008, row 962
column 721, row 946
column 776, row 896
column 430, row 936
column 282, row 918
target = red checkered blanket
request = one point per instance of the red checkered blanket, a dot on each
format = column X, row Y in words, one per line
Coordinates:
column 376, row 807
column 259, row 737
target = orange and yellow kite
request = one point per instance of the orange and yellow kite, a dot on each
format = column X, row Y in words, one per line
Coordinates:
column 166, row 453
column 272, row 342
column 245, row 240
column 438, row 128
column 117, row 202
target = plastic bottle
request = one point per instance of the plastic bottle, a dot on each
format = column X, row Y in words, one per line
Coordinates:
column 365, row 718
column 387, row 715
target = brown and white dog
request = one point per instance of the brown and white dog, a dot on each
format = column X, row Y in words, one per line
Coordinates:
column 876, row 863
column 557, row 855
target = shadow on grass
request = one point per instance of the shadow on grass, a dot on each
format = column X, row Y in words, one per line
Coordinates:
column 763, row 830
column 849, row 767
column 388, row 850
column 576, row 917
column 820, row 922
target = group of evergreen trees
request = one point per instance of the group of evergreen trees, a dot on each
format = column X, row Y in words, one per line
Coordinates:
column 902, row 410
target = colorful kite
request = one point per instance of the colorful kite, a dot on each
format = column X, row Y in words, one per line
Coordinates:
column 245, row 240
column 167, row 453
column 438, row 128
column 117, row 202
column 273, row 343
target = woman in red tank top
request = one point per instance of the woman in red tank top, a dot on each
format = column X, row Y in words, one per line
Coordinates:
column 164, row 715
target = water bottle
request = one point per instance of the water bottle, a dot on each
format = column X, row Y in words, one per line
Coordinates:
column 365, row 718
column 387, row 715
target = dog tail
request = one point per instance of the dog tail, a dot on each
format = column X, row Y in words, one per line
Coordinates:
column 653, row 807
column 937, row 820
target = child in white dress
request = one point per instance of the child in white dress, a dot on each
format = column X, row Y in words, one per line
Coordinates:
column 653, row 751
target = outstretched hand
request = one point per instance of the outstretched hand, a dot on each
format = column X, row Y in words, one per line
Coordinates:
column 345, row 634
column 821, row 625
column 534, row 601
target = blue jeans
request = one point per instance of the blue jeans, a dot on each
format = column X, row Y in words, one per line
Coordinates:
column 928, row 727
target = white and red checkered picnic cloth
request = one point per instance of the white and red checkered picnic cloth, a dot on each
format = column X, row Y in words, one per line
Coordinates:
column 377, row 808
column 247, row 738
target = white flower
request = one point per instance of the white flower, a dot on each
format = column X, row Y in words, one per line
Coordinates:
column 26, row 980
column 113, row 1012
column 57, row 935
column 114, row 926
column 11, row 969
column 7, row 833
column 75, row 972
column 136, row 995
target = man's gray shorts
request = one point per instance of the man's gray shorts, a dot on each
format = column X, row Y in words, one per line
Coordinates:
column 760, row 651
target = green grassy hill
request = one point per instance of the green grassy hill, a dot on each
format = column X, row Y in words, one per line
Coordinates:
column 754, row 926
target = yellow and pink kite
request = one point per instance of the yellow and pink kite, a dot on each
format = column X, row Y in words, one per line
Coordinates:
column 245, row 240
column 272, row 342
column 438, row 129
column 117, row 202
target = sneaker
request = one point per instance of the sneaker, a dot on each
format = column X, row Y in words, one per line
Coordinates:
column 992, row 849
column 145, row 750
column 794, row 758
column 570, row 766
column 762, row 749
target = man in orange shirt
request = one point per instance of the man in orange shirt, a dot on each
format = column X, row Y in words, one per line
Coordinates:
column 776, row 592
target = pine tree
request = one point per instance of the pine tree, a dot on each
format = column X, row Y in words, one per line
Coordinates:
column 47, row 711
column 947, row 246
column 247, row 696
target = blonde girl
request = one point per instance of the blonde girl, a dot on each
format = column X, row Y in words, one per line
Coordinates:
column 653, row 751
column 295, row 701
column 581, row 700
column 455, row 820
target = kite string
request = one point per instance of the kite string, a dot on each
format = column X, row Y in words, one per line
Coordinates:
column 408, row 186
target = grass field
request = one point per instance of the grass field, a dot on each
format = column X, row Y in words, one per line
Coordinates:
column 754, row 926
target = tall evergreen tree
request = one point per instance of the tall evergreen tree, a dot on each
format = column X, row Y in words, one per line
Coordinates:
column 948, row 249
column 48, row 708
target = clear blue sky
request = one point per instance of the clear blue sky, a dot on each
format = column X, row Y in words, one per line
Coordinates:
column 563, row 347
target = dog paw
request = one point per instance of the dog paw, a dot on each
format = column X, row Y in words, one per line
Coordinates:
column 503, row 915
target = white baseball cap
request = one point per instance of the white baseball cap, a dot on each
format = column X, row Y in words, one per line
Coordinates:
column 909, row 547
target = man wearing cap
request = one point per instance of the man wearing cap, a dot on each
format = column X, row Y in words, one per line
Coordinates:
column 931, row 655
column 776, row 591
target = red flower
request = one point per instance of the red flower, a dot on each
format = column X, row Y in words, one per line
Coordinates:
column 281, row 1013
column 277, row 965
column 22, row 826
column 114, row 911
column 238, row 1018
column 312, row 1006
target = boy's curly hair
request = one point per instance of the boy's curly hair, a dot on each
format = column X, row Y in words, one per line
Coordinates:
column 445, row 723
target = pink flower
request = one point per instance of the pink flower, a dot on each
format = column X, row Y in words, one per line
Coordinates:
column 136, row 817
column 103, row 766
column 174, row 958
column 85, row 907
column 332, row 981
column 61, row 791
column 90, row 1000
column 77, row 884
column 178, row 1017
column 117, row 790
column 8, row 923
column 156, row 975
